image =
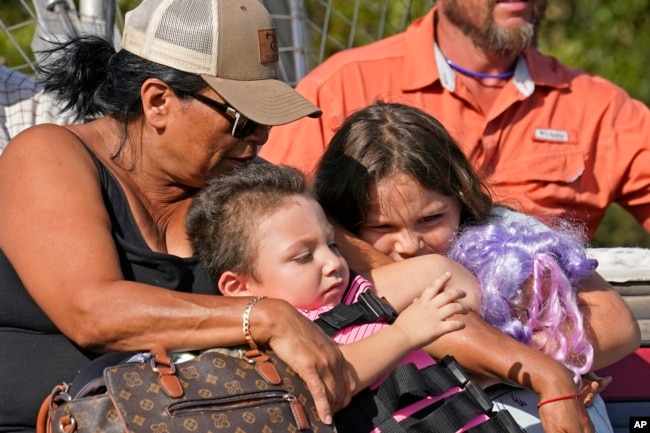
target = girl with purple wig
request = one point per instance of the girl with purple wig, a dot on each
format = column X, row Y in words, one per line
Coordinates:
column 393, row 178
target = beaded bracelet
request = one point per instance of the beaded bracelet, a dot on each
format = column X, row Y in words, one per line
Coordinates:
column 246, row 322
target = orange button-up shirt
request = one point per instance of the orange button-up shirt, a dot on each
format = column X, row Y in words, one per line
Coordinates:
column 557, row 141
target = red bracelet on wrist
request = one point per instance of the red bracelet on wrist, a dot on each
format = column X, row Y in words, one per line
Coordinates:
column 562, row 397
column 566, row 397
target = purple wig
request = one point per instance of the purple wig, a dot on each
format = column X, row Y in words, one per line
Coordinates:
column 528, row 276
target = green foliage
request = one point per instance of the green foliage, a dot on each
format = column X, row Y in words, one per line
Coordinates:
column 605, row 37
column 620, row 229
column 20, row 29
column 610, row 39
column 340, row 24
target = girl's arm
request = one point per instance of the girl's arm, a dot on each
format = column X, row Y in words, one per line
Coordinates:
column 610, row 324
column 401, row 282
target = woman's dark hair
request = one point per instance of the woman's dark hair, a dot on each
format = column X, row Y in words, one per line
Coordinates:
column 89, row 77
column 384, row 139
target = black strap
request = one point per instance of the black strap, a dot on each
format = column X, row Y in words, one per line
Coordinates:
column 368, row 309
column 501, row 422
column 406, row 382
column 454, row 412
column 406, row 385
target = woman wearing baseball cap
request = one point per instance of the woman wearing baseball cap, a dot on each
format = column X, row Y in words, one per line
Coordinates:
column 93, row 253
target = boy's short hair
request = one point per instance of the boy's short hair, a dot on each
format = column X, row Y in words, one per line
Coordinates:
column 222, row 218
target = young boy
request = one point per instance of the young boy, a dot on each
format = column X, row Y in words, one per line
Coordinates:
column 261, row 233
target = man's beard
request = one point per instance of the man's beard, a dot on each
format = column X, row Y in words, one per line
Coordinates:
column 498, row 41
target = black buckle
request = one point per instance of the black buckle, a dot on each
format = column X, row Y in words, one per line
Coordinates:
column 378, row 308
column 508, row 423
column 479, row 396
column 455, row 369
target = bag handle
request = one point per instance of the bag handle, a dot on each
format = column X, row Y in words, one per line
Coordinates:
column 162, row 364
column 263, row 366
column 48, row 405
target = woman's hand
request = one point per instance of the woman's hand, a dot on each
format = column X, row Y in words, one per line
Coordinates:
column 308, row 351
column 561, row 409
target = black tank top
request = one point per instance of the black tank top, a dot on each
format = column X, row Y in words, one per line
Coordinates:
column 34, row 355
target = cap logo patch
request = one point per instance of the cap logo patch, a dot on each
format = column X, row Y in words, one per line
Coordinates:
column 268, row 44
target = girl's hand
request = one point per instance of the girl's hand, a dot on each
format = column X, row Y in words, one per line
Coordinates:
column 592, row 385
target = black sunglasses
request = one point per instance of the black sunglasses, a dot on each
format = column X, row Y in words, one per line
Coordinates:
column 242, row 126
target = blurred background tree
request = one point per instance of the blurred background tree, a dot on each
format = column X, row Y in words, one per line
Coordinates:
column 604, row 37
column 611, row 39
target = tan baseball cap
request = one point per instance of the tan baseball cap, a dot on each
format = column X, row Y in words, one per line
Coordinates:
column 231, row 44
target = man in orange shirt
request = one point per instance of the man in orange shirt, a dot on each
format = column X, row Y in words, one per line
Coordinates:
column 548, row 139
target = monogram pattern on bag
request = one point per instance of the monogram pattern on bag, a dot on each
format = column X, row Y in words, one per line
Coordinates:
column 275, row 415
column 190, row 424
column 190, row 372
column 234, row 388
column 221, row 421
column 132, row 379
column 159, row 428
column 221, row 394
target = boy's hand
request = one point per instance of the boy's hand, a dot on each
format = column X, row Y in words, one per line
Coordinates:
column 425, row 319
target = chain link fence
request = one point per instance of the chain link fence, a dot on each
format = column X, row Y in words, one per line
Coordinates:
column 309, row 30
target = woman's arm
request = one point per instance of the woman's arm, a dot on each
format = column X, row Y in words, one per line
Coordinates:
column 56, row 233
column 361, row 256
column 492, row 355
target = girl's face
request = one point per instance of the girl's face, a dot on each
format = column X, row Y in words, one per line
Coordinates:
column 410, row 220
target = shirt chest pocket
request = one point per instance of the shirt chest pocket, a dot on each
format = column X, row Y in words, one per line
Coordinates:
column 540, row 161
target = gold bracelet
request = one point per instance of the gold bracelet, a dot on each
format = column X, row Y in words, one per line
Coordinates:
column 246, row 322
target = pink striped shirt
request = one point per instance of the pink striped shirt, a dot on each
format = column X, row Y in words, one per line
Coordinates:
column 354, row 333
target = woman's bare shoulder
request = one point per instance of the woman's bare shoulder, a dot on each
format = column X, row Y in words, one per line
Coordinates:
column 41, row 149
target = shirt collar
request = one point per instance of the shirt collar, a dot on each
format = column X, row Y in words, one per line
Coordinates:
column 422, row 70
column 447, row 76
column 420, row 66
